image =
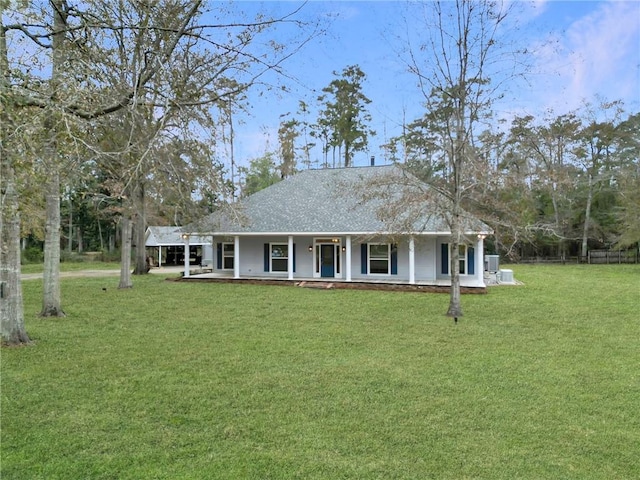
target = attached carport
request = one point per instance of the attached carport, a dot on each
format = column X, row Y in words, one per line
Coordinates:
column 165, row 246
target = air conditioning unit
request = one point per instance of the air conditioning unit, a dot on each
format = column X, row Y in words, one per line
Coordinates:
column 505, row 276
column 492, row 263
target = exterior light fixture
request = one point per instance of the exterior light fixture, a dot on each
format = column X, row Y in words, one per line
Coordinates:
column 311, row 248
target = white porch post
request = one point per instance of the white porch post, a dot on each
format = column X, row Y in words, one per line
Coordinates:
column 290, row 258
column 186, row 254
column 412, row 261
column 347, row 260
column 236, row 257
column 160, row 256
column 213, row 253
column 479, row 257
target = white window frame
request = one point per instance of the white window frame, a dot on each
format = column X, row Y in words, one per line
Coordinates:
column 388, row 258
column 285, row 246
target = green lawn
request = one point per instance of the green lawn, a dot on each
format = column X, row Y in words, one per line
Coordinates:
column 178, row 380
column 72, row 266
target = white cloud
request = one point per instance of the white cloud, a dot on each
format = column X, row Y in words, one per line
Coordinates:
column 599, row 54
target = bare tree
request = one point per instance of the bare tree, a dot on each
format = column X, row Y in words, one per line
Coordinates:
column 77, row 47
column 71, row 92
column 210, row 71
column 461, row 65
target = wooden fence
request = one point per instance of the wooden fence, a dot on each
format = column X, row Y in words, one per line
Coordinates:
column 613, row 256
column 595, row 257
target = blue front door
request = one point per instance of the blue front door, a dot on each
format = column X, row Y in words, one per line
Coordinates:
column 327, row 262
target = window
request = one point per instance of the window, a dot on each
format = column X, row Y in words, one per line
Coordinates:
column 228, row 250
column 379, row 258
column 466, row 259
column 279, row 257
column 462, row 259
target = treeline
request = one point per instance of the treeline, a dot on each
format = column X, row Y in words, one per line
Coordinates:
column 558, row 186
column 555, row 186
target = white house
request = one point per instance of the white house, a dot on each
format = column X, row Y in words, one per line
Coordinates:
column 315, row 225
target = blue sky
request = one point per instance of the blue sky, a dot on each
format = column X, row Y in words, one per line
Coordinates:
column 582, row 49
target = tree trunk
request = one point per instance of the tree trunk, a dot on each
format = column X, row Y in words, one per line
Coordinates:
column 556, row 216
column 12, row 327
column 347, row 155
column 70, row 227
column 51, row 305
column 80, row 239
column 587, row 219
column 458, row 159
column 455, row 306
column 125, row 253
column 140, row 227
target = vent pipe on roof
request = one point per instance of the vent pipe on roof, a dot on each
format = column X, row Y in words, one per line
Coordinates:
column 373, row 161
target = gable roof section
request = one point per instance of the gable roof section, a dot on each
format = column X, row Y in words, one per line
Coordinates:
column 323, row 201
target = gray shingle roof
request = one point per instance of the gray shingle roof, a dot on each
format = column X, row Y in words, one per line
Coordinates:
column 328, row 201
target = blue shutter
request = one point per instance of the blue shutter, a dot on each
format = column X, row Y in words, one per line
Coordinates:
column 444, row 248
column 266, row 257
column 363, row 258
column 219, row 255
column 394, row 259
column 294, row 257
column 471, row 264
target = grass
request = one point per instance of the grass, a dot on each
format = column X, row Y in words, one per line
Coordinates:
column 180, row 381
column 71, row 266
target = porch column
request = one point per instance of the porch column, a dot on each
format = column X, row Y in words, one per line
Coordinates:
column 236, row 257
column 479, row 257
column 185, row 237
column 160, row 256
column 290, row 258
column 412, row 261
column 347, row 260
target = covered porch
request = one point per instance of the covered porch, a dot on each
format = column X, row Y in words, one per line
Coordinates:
column 415, row 260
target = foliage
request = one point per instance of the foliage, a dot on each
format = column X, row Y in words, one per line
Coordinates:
column 260, row 174
column 147, row 74
column 32, row 254
column 283, row 382
column 343, row 122
column 629, row 180
column 287, row 135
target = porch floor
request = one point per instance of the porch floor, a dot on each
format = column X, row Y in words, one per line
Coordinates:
column 437, row 286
